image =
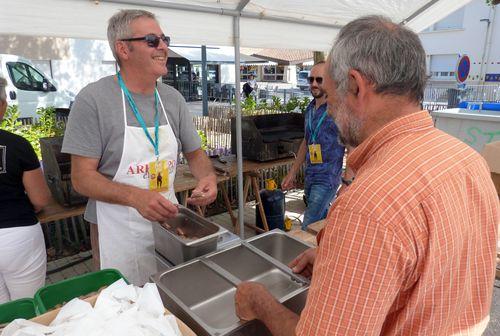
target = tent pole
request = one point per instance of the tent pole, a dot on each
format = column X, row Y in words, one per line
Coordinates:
column 239, row 152
column 204, row 80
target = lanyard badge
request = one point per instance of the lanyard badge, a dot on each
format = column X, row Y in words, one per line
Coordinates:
column 158, row 176
column 315, row 156
column 155, row 142
column 157, row 170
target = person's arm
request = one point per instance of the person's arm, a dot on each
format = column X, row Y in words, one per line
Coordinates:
column 289, row 180
column 89, row 182
column 253, row 301
column 36, row 188
column 359, row 270
column 202, row 169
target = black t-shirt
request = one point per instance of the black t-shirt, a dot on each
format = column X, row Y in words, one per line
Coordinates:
column 16, row 157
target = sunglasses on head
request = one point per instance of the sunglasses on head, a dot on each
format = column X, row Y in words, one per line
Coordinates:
column 311, row 79
column 152, row 40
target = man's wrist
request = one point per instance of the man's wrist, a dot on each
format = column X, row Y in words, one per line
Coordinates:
column 261, row 303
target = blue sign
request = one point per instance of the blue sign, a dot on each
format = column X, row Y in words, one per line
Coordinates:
column 463, row 69
column 492, row 77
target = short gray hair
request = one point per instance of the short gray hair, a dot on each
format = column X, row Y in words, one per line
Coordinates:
column 119, row 26
column 3, row 85
column 389, row 55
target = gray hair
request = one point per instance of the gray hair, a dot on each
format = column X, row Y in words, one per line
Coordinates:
column 389, row 55
column 3, row 85
column 119, row 26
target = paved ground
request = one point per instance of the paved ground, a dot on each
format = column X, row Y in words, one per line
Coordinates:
column 294, row 210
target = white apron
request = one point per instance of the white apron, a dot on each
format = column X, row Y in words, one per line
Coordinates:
column 125, row 237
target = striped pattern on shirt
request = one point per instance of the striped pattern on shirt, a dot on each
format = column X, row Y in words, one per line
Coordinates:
column 409, row 248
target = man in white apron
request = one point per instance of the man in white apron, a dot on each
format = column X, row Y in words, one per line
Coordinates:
column 125, row 133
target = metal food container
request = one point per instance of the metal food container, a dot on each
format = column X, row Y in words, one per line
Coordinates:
column 186, row 236
column 208, row 309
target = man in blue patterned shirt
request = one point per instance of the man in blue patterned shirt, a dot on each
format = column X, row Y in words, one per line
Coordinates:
column 321, row 151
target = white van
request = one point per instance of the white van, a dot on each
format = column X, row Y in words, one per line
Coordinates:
column 29, row 88
column 302, row 82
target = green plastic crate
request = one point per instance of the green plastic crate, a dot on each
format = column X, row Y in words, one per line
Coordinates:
column 22, row 308
column 46, row 298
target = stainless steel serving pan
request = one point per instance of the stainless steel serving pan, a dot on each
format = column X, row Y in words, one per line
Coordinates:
column 186, row 236
column 201, row 292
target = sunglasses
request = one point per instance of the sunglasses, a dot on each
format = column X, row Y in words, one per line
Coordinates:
column 311, row 79
column 152, row 40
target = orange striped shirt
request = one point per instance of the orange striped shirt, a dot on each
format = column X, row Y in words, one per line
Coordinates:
column 409, row 248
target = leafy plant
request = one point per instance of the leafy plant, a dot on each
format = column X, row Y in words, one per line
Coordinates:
column 10, row 121
column 303, row 104
column 203, row 138
column 262, row 105
column 45, row 126
column 249, row 104
column 492, row 2
column 276, row 104
column 250, row 107
column 291, row 104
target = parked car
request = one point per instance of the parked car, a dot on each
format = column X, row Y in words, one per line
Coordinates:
column 29, row 88
column 302, row 82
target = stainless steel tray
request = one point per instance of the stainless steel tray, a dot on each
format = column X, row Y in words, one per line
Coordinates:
column 201, row 292
column 279, row 245
column 199, row 236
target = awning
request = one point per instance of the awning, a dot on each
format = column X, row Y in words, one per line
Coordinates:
column 293, row 24
column 214, row 55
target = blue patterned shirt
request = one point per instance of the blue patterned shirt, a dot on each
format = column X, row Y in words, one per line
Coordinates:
column 332, row 152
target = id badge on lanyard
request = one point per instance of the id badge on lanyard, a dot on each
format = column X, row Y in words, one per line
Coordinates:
column 315, row 154
column 315, row 149
column 158, row 176
column 157, row 170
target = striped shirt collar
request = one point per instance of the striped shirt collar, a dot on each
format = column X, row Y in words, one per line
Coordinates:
column 417, row 121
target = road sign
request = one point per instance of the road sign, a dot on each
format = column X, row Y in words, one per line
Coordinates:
column 463, row 69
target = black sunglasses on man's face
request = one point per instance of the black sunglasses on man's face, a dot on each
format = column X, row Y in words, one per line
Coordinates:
column 152, row 40
column 311, row 79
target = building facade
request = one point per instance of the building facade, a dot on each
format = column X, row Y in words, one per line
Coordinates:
column 473, row 30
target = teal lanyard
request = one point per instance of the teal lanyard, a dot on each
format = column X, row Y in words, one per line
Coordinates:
column 138, row 115
column 313, row 134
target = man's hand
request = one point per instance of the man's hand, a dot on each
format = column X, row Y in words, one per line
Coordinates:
column 254, row 301
column 247, row 296
column 304, row 263
column 153, row 205
column 289, row 181
column 205, row 192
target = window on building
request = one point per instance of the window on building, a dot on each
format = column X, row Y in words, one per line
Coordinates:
column 443, row 66
column 246, row 70
column 453, row 21
column 274, row 73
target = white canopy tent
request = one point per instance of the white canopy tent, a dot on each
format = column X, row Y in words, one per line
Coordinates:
column 292, row 24
column 299, row 24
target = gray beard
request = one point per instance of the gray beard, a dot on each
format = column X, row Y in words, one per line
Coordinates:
column 349, row 127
